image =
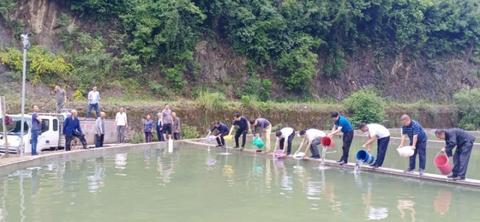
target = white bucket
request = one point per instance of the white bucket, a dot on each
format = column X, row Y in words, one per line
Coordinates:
column 406, row 151
column 299, row 155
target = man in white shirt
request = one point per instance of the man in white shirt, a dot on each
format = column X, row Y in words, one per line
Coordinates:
column 379, row 133
column 93, row 102
column 285, row 133
column 121, row 122
column 312, row 137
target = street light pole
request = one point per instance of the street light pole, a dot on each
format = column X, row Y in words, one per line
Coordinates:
column 26, row 45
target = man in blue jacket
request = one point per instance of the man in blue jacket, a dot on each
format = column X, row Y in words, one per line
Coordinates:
column 418, row 139
column 342, row 124
column 71, row 129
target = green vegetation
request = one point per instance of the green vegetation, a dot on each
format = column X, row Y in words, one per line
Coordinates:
column 211, row 100
column 190, row 132
column 468, row 103
column 153, row 42
column 365, row 106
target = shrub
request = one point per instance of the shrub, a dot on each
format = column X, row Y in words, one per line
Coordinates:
column 257, row 87
column 211, row 100
column 365, row 106
column 137, row 137
column 190, row 132
column 43, row 64
column 468, row 103
column 298, row 65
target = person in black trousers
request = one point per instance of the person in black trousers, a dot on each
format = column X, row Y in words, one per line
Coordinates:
column 159, row 127
column 379, row 133
column 464, row 142
column 242, row 129
column 342, row 124
column 100, row 130
column 71, row 129
column 285, row 133
column 222, row 131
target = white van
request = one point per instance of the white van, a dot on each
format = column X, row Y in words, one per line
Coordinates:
column 51, row 136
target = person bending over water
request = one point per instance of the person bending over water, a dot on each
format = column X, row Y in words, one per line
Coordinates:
column 464, row 142
column 379, row 133
column 342, row 124
column 285, row 133
column 264, row 128
column 418, row 139
column 222, row 131
column 312, row 137
column 242, row 129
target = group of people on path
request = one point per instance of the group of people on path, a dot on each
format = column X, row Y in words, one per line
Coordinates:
column 411, row 130
column 167, row 125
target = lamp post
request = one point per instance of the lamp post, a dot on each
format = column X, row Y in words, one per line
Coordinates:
column 26, row 45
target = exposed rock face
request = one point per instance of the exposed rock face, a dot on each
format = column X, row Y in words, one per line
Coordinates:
column 396, row 76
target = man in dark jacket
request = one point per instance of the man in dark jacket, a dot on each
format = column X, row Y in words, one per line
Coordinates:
column 243, row 127
column 464, row 142
column 222, row 131
column 71, row 129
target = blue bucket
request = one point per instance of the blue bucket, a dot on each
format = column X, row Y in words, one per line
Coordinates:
column 365, row 157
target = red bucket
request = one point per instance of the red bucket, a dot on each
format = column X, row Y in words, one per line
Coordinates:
column 442, row 163
column 327, row 142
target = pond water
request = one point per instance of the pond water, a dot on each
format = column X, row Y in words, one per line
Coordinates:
column 199, row 184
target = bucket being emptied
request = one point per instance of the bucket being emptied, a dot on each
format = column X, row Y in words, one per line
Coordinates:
column 443, row 164
column 279, row 154
column 365, row 157
column 327, row 142
column 406, row 151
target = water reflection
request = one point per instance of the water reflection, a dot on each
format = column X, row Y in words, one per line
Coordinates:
column 121, row 163
column 165, row 166
column 96, row 177
column 442, row 202
column 406, row 208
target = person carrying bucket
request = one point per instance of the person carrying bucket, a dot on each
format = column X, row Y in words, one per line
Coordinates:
column 418, row 140
column 342, row 124
column 285, row 133
column 464, row 142
column 379, row 133
column 264, row 128
column 312, row 138
column 222, row 131
column 243, row 127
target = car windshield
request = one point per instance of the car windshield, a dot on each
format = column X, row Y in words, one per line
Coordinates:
column 14, row 127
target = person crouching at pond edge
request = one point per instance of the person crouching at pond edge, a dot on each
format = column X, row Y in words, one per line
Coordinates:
column 222, row 131
column 379, row 133
column 285, row 133
column 242, row 129
column 464, row 142
column 418, row 139
column 264, row 128
column 71, row 129
column 312, row 138
column 342, row 124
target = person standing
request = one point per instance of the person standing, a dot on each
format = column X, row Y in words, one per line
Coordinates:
column 148, row 128
column 71, row 129
column 242, row 129
column 167, row 119
column 121, row 122
column 60, row 98
column 36, row 130
column 312, row 137
column 264, row 128
column 100, row 129
column 94, row 102
column 342, row 124
column 379, row 133
column 463, row 141
column 159, row 127
column 222, row 131
column 418, row 139
column 176, row 127
column 285, row 133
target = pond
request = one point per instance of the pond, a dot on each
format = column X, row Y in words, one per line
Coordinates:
column 199, row 184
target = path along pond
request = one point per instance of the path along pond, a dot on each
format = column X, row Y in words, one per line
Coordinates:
column 195, row 183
